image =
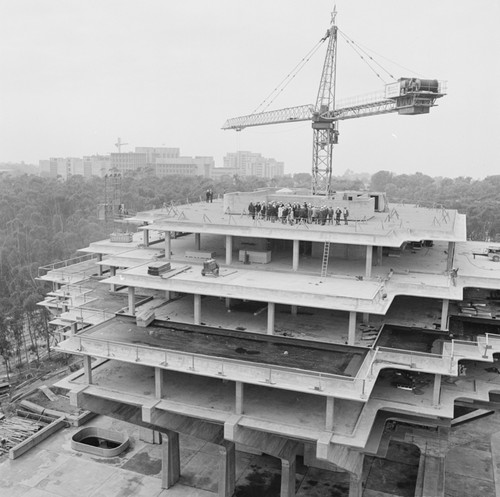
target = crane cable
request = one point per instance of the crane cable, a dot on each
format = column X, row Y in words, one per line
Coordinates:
column 362, row 53
column 287, row 79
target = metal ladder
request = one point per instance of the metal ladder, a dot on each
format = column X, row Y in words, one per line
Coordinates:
column 326, row 254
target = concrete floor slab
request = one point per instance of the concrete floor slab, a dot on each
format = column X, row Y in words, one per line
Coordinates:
column 469, row 463
column 76, row 480
column 146, row 461
column 468, row 487
column 180, row 490
column 321, row 483
column 202, row 471
column 119, row 484
column 30, row 470
column 34, row 492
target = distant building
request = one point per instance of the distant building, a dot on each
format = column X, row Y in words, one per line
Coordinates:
column 187, row 166
column 245, row 163
column 128, row 161
column 62, row 167
column 96, row 165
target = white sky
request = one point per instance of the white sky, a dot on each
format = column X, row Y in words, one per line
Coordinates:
column 77, row 74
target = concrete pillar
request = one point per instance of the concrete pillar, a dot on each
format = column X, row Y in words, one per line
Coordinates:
column 167, row 294
column 131, row 300
column 288, row 477
column 197, row 308
column 239, row 398
column 295, row 257
column 74, row 328
column 227, row 469
column 330, row 405
column 379, row 255
column 145, row 237
column 228, row 304
column 112, row 272
column 168, row 245
column 229, row 249
column 170, row 459
column 87, row 369
column 366, row 317
column 293, row 310
column 444, row 314
column 270, row 318
column 197, row 241
column 369, row 260
column 451, row 256
column 436, row 393
column 99, row 267
column 159, row 384
column 352, row 327
column 355, row 486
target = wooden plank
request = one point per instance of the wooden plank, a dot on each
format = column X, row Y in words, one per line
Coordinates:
column 38, row 437
column 48, row 393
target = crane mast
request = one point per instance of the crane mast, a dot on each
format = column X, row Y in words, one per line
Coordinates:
column 406, row 96
column 325, row 130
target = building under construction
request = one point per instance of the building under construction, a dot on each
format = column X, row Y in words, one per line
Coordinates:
column 324, row 341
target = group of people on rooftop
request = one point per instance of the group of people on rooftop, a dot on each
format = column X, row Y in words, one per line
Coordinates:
column 297, row 213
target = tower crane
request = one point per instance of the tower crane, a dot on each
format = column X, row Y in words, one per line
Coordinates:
column 119, row 144
column 407, row 96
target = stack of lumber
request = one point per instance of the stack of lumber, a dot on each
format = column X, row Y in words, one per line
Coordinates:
column 157, row 268
column 369, row 333
column 16, row 429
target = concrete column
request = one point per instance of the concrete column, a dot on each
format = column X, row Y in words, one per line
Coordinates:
column 352, row 327
column 228, row 304
column 99, row 267
column 444, row 314
column 167, row 294
column 355, row 486
column 379, row 255
column 197, row 308
column 227, row 467
column 288, row 477
column 293, row 310
column 369, row 260
column 295, row 257
column 74, row 328
column 229, row 249
column 168, row 245
column 87, row 369
column 170, row 459
column 145, row 237
column 451, row 256
column 197, row 241
column 270, row 318
column 131, row 300
column 159, row 385
column 112, row 272
column 436, row 393
column 239, row 398
column 366, row 317
column 330, row 404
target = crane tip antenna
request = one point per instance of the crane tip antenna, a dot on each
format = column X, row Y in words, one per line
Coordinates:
column 334, row 13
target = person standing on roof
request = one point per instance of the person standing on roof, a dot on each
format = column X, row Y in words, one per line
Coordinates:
column 338, row 213
column 345, row 212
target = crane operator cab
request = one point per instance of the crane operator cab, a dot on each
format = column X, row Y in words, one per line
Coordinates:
column 414, row 95
column 210, row 268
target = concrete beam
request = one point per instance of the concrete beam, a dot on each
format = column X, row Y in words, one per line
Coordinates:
column 168, row 245
column 170, row 459
column 229, row 249
column 295, row 257
column 131, row 300
column 270, row 318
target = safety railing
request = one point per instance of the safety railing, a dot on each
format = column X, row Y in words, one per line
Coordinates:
column 237, row 370
column 43, row 270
